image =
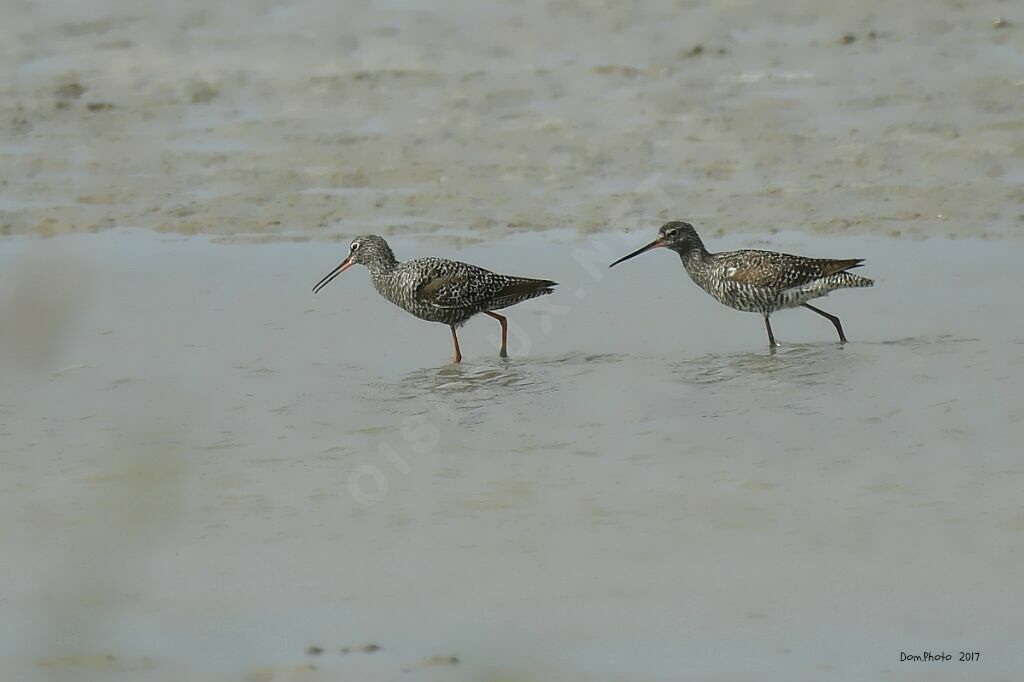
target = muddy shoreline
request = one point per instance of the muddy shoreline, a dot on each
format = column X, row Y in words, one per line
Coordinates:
column 322, row 118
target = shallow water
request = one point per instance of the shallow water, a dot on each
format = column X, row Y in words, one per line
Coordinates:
column 206, row 470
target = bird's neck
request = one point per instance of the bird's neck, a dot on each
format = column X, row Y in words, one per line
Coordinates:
column 382, row 267
column 695, row 258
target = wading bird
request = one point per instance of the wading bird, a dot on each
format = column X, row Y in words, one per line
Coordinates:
column 437, row 289
column 757, row 281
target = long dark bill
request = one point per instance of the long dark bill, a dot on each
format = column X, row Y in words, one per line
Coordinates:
column 653, row 245
column 345, row 265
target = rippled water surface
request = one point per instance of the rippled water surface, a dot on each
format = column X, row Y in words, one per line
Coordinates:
column 206, row 470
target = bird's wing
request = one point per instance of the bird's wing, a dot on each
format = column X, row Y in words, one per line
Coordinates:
column 780, row 270
column 451, row 284
column 443, row 291
column 467, row 286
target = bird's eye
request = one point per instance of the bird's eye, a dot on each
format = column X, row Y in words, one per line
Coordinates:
column 354, row 247
column 672, row 233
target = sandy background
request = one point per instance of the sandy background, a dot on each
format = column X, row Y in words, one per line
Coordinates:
column 314, row 118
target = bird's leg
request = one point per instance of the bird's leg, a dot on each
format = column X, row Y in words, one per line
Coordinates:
column 831, row 318
column 458, row 353
column 504, row 332
column 771, row 337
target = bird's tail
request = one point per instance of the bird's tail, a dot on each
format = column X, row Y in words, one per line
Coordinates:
column 526, row 287
column 522, row 289
column 848, row 279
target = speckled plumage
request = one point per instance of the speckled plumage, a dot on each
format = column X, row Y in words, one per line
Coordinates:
column 438, row 289
column 758, row 281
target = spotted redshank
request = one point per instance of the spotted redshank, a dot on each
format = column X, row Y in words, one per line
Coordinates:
column 758, row 281
column 437, row 289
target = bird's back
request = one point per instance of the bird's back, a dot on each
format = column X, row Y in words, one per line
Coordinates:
column 763, row 281
column 778, row 270
column 449, row 291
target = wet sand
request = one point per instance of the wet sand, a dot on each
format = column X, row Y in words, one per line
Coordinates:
column 211, row 471
column 287, row 119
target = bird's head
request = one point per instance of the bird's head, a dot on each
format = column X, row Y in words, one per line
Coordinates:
column 368, row 249
column 676, row 235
